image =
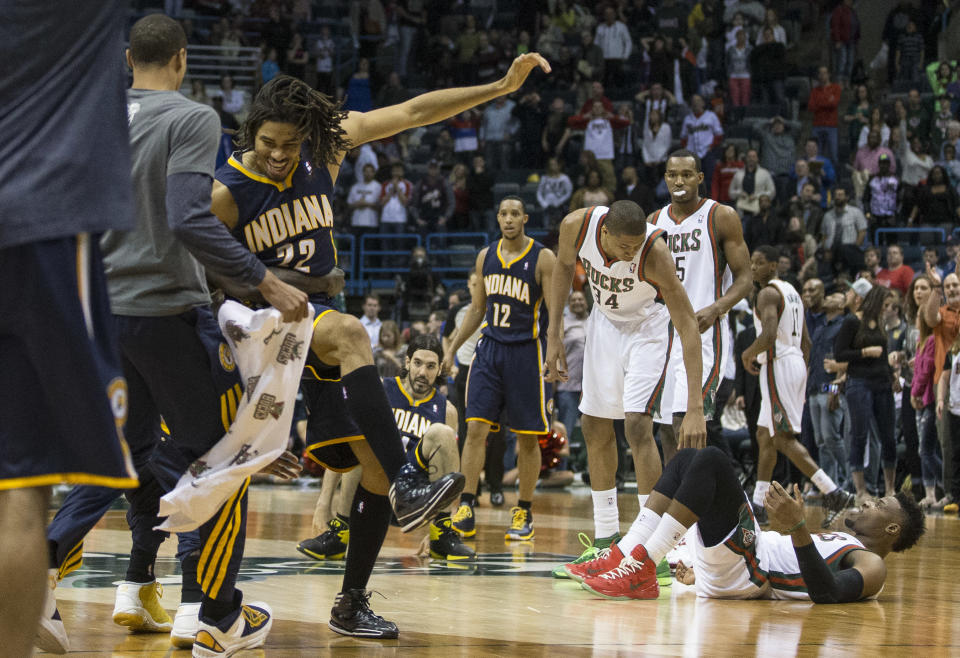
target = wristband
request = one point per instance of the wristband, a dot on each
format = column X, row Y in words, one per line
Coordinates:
column 802, row 523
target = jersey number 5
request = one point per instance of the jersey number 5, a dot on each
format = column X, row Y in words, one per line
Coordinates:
column 501, row 315
column 611, row 300
column 306, row 248
column 681, row 270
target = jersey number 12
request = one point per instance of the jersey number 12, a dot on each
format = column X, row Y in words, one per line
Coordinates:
column 501, row 315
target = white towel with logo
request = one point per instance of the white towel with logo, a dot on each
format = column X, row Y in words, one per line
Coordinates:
column 270, row 354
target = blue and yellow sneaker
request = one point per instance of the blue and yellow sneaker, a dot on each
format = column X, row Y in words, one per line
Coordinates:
column 521, row 526
column 591, row 552
column 248, row 631
column 463, row 521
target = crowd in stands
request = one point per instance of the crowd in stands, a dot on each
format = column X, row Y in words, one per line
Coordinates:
column 816, row 147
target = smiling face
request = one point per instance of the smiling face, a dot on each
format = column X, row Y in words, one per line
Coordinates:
column 276, row 149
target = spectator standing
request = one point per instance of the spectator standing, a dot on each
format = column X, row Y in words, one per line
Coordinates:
column 763, row 226
column 867, row 161
column 738, row 70
column 529, row 117
column 657, row 139
column 768, row 69
column 826, row 417
column 655, row 98
column 371, row 318
column 553, row 193
column 395, row 196
column 496, row 132
column 723, row 174
column 460, row 221
column 574, row 337
column 823, row 102
column 897, row 275
column 590, row 61
column 633, row 189
column 909, row 54
column 411, row 18
column 480, row 192
column 945, row 321
column 858, row 113
column 749, row 184
column 270, row 67
column 324, row 48
column 614, row 40
column 861, row 343
column 880, row 196
column 844, row 229
column 554, row 128
column 844, row 34
column 700, row 133
column 923, row 402
column 364, row 203
column 465, row 130
column 598, row 129
column 915, row 165
column 918, row 115
column 936, row 202
column 777, row 149
column 432, row 200
column 806, row 207
column 297, row 57
column 821, row 168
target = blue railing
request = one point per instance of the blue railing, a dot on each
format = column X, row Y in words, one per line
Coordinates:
column 912, row 231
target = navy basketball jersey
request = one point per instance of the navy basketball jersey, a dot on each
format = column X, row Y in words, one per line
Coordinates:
column 414, row 417
column 285, row 223
column 514, row 298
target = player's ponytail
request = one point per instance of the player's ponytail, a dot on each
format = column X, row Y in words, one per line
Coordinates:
column 315, row 115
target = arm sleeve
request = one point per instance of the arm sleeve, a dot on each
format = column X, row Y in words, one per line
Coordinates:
column 823, row 585
column 205, row 236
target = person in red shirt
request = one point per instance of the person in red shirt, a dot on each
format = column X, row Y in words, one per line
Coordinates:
column 824, row 101
column 896, row 275
column 724, row 172
column 844, row 34
column 596, row 96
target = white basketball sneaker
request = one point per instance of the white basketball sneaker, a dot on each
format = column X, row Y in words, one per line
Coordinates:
column 51, row 634
column 185, row 625
column 138, row 608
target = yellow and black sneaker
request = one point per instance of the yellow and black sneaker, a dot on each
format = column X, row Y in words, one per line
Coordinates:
column 463, row 521
column 521, row 527
column 330, row 544
column 445, row 542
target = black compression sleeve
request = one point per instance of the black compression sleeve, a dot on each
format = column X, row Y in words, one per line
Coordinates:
column 205, row 236
column 823, row 585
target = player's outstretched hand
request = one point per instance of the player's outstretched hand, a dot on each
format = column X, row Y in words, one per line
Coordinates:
column 783, row 510
column 693, row 430
column 521, row 68
column 555, row 367
column 285, row 467
column 290, row 301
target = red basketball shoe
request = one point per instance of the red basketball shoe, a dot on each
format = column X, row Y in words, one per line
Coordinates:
column 606, row 559
column 634, row 578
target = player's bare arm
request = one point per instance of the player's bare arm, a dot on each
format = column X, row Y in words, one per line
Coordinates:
column 557, row 290
column 422, row 110
column 659, row 269
column 330, row 284
column 730, row 236
column 473, row 317
column 453, row 418
column 805, row 345
column 768, row 301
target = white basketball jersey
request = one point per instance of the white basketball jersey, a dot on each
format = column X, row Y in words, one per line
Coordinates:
column 619, row 290
column 701, row 267
column 778, row 560
column 790, row 325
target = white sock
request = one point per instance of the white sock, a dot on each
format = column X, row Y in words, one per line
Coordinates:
column 642, row 529
column 606, row 516
column 760, row 491
column 668, row 534
column 823, row 482
column 643, row 500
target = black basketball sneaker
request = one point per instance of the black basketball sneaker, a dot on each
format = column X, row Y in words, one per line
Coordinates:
column 351, row 615
column 445, row 542
column 330, row 544
column 415, row 499
column 835, row 502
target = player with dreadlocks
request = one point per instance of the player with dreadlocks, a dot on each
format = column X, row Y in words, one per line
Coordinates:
column 274, row 195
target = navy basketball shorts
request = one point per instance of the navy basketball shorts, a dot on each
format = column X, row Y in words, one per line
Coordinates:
column 64, row 399
column 330, row 427
column 506, row 383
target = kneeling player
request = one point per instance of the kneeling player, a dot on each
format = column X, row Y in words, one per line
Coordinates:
column 735, row 559
column 426, row 421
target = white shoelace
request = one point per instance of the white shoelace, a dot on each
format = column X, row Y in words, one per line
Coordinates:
column 627, row 566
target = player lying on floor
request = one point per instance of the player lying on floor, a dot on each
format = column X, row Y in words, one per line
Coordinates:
column 734, row 559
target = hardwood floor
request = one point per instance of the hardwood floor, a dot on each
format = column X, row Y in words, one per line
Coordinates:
column 507, row 603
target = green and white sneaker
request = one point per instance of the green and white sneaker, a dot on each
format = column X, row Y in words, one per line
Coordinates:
column 590, row 553
column 664, row 578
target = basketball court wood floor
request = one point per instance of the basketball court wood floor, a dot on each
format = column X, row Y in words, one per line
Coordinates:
column 506, row 604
